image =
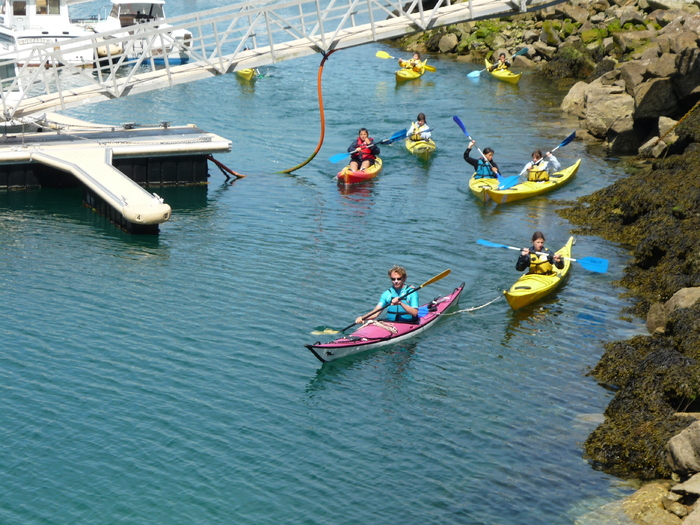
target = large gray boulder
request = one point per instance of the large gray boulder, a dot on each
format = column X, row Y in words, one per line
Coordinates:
column 683, row 298
column 664, row 66
column 448, row 43
column 609, row 109
column 633, row 74
column 655, row 98
column 683, row 451
column 575, row 100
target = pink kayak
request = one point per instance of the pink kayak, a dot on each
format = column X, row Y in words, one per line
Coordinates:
column 379, row 332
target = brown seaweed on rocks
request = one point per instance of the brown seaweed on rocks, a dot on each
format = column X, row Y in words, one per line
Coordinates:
column 656, row 211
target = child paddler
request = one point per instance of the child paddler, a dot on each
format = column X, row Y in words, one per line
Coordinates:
column 403, row 310
column 485, row 167
column 363, row 151
column 542, row 264
column 415, row 63
column 419, row 130
column 541, row 166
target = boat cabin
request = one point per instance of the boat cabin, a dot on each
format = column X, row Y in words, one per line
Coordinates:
column 126, row 13
column 49, row 15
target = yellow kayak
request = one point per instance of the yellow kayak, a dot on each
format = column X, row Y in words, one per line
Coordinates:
column 506, row 75
column 421, row 148
column 246, row 74
column 532, row 287
column 479, row 187
column 411, row 73
column 528, row 189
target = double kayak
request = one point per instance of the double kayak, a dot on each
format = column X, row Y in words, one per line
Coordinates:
column 410, row 73
column 528, row 189
column 480, row 186
column 533, row 286
column 421, row 148
column 349, row 176
column 505, row 75
column 379, row 332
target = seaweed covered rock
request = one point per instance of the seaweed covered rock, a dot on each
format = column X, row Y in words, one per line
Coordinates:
column 657, row 210
column 657, row 377
column 642, row 417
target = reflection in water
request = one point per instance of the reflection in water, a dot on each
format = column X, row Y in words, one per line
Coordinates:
column 357, row 196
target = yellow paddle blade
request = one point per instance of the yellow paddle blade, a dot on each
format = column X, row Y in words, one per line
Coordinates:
column 436, row 278
column 430, row 68
column 383, row 54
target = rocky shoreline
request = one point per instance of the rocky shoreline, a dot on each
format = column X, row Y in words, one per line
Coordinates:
column 634, row 74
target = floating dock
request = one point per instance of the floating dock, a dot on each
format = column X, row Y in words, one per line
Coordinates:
column 112, row 163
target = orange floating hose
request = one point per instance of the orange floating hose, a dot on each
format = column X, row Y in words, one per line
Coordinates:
column 323, row 120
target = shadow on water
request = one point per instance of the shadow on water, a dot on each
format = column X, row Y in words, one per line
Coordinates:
column 395, row 358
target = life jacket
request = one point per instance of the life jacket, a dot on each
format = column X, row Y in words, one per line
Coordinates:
column 538, row 172
column 416, row 131
column 366, row 151
column 540, row 264
column 415, row 65
column 500, row 65
column 483, row 170
column 395, row 312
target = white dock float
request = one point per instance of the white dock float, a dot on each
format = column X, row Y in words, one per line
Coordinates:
column 93, row 167
column 149, row 155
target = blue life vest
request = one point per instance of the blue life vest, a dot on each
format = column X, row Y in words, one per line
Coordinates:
column 483, row 170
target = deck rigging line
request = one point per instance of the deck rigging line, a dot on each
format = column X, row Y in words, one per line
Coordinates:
column 475, row 307
column 323, row 119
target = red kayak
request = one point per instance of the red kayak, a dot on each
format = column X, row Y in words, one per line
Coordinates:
column 348, row 176
column 379, row 332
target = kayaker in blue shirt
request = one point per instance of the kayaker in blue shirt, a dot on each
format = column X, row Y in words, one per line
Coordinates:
column 542, row 264
column 400, row 310
column 485, row 167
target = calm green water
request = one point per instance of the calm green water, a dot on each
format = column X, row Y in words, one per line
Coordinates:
column 164, row 379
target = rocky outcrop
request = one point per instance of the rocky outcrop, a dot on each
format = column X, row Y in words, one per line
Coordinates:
column 659, row 312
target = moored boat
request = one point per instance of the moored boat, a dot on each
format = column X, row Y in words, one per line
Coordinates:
column 532, row 286
column 421, row 148
column 28, row 24
column 377, row 333
column 348, row 176
column 171, row 46
column 478, row 187
column 411, row 73
column 528, row 189
column 505, row 75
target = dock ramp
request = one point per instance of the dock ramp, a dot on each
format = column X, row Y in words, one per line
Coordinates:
column 93, row 168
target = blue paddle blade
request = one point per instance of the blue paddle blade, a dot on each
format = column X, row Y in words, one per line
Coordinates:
column 338, row 157
column 475, row 74
column 594, row 264
column 521, row 52
column 508, row 182
column 460, row 124
column 567, row 140
column 491, row 244
column 398, row 135
column 422, row 311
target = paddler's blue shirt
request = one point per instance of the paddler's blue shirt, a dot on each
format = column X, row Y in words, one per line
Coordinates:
column 397, row 312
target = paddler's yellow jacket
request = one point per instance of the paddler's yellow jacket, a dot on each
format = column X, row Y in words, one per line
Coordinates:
column 542, row 264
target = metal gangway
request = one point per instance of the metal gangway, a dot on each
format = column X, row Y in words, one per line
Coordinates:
column 222, row 40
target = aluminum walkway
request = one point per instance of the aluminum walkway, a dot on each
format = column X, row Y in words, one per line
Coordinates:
column 226, row 39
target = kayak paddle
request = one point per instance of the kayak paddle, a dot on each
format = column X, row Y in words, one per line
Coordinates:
column 500, row 177
column 477, row 74
column 507, row 184
column 398, row 135
column 426, row 283
column 384, row 54
column 594, row 264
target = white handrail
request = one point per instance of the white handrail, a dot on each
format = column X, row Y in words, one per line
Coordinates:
column 238, row 36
